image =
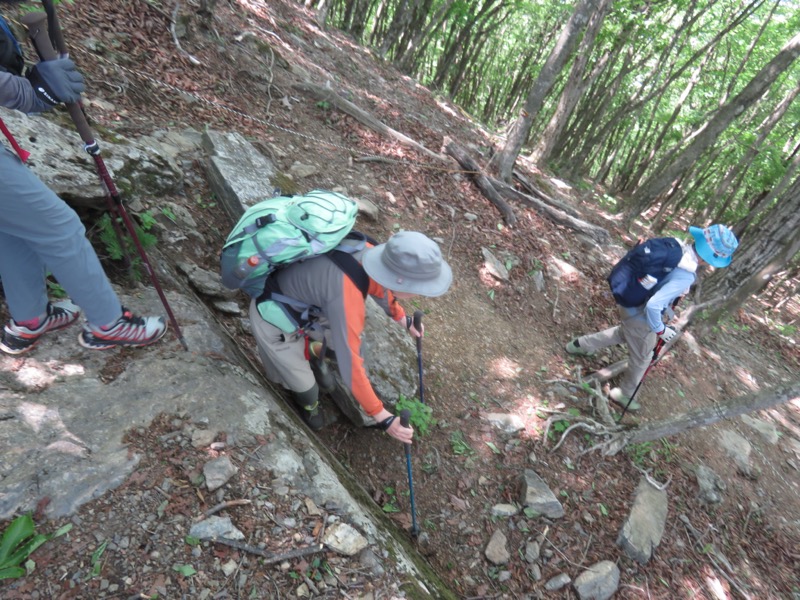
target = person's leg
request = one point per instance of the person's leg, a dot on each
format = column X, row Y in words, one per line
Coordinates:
column 602, row 339
column 286, row 363
column 640, row 340
column 50, row 235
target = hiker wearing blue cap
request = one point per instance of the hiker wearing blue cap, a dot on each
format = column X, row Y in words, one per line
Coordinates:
column 646, row 284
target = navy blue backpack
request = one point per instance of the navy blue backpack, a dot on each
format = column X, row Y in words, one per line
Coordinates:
column 11, row 59
column 641, row 272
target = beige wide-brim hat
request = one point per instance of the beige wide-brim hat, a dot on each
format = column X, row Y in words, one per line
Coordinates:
column 409, row 262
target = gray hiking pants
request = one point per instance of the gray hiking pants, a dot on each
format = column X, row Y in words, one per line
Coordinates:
column 640, row 339
column 40, row 233
column 282, row 354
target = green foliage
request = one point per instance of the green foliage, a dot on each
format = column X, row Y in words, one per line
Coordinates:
column 420, row 415
column 390, row 506
column 97, row 565
column 649, row 454
column 116, row 251
column 54, row 290
column 19, row 541
column 185, row 570
column 459, row 444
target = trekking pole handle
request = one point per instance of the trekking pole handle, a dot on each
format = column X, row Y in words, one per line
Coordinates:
column 418, row 320
column 36, row 24
column 405, row 417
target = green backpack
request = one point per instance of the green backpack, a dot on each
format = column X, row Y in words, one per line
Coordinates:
column 280, row 231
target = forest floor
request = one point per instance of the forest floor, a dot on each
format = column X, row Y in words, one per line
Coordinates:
column 490, row 346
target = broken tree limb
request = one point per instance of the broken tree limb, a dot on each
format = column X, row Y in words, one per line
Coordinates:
column 362, row 116
column 534, row 191
column 482, row 181
column 598, row 234
column 269, row 557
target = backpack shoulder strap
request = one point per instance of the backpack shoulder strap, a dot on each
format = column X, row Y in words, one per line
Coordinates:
column 352, row 268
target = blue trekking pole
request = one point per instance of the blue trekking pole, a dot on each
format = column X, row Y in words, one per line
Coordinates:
column 418, row 326
column 404, row 419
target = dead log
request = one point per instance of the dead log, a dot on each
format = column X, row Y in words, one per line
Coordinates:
column 598, row 234
column 362, row 116
column 532, row 190
column 482, row 181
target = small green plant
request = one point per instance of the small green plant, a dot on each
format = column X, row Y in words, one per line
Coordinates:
column 185, row 570
column 55, row 290
column 460, row 445
column 97, row 564
column 420, row 415
column 203, row 203
column 559, row 426
column 390, row 506
column 324, row 105
column 19, row 541
column 169, row 213
column 116, row 250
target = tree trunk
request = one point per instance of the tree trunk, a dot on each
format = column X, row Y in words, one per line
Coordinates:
column 708, row 415
column 766, row 251
column 504, row 160
column 665, row 175
column 575, row 86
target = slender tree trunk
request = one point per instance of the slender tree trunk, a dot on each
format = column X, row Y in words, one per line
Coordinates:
column 764, row 252
column 504, row 160
column 575, row 86
column 665, row 175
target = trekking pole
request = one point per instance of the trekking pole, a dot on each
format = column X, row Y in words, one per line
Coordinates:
column 653, row 361
column 418, row 326
column 405, row 416
column 34, row 22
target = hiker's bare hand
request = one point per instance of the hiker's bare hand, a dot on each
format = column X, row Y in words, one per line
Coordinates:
column 397, row 431
column 415, row 333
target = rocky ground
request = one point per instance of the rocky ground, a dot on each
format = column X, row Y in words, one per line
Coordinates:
column 491, row 346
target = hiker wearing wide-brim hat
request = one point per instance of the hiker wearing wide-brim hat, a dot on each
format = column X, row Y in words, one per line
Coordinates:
column 643, row 325
column 409, row 264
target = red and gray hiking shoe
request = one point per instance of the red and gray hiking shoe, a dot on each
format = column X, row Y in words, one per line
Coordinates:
column 129, row 330
column 18, row 339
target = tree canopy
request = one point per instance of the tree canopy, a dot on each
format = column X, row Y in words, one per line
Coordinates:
column 677, row 110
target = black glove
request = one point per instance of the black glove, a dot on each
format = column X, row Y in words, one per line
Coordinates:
column 56, row 81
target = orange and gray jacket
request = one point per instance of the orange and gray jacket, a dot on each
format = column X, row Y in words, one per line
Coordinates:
column 319, row 281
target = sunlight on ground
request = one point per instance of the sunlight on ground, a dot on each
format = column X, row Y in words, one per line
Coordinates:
column 505, row 368
column 746, row 378
column 35, row 374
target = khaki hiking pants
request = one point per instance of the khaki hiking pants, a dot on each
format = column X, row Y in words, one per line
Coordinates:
column 636, row 333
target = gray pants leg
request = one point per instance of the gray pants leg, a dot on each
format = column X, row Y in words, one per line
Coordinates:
column 636, row 334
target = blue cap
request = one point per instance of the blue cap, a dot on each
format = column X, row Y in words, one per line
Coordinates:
column 715, row 244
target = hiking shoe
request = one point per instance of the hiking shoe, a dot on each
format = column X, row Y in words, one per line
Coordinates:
column 313, row 416
column 129, row 330
column 18, row 339
column 618, row 397
column 573, row 348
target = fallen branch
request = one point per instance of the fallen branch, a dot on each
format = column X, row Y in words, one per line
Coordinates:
column 598, row 234
column 269, row 556
column 482, row 181
column 223, row 505
column 362, row 116
column 534, row 191
column 711, row 552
